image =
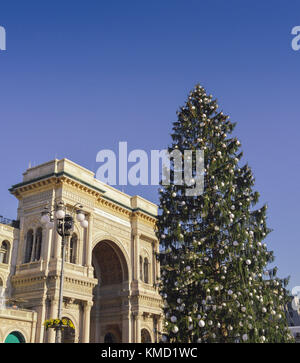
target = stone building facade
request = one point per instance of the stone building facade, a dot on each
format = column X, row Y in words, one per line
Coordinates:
column 111, row 268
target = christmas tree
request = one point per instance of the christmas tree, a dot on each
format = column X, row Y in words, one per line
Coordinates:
column 215, row 280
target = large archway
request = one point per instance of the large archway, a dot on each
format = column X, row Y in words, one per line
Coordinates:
column 111, row 270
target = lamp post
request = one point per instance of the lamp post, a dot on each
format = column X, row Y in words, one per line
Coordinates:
column 64, row 227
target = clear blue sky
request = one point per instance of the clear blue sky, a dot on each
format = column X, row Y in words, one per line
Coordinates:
column 80, row 76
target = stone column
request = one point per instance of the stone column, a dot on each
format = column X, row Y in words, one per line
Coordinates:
column 153, row 265
column 136, row 257
column 138, row 328
column 16, row 255
column 46, row 244
column 33, row 247
column 53, row 315
column 86, row 321
column 56, row 244
column 132, row 327
column 133, row 315
column 21, row 243
column 67, row 241
column 126, row 328
column 89, row 242
column 33, row 331
column 157, row 262
column 40, row 329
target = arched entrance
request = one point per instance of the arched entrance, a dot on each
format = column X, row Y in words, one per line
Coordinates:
column 109, row 338
column 111, row 270
column 145, row 336
column 15, row 337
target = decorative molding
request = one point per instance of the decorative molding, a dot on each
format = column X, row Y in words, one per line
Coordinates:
column 112, row 217
column 56, row 180
column 77, row 198
column 38, row 197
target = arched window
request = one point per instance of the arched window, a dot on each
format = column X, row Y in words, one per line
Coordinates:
column 38, row 243
column 141, row 268
column 146, row 270
column 29, row 246
column 145, row 336
column 73, row 248
column 4, row 252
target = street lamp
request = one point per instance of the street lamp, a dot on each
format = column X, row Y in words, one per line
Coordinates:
column 64, row 227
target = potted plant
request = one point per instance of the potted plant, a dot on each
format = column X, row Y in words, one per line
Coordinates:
column 58, row 323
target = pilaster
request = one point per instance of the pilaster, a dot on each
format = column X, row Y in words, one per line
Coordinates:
column 86, row 321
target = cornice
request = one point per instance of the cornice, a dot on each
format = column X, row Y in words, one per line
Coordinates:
column 55, row 180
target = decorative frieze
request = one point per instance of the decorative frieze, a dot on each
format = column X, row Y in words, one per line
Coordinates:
column 40, row 197
column 72, row 196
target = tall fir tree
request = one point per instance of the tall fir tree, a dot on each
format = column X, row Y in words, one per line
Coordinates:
column 214, row 281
